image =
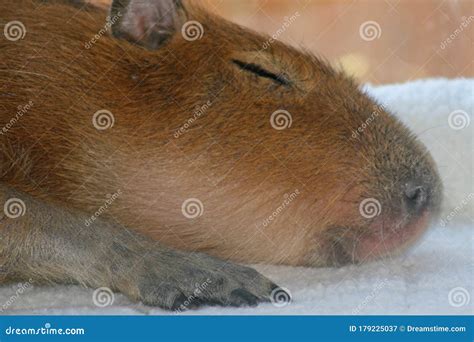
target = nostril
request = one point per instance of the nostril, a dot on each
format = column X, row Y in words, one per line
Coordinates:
column 415, row 196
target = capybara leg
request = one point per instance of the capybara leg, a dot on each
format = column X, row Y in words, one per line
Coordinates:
column 47, row 243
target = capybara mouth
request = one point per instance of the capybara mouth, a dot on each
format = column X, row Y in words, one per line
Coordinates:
column 382, row 238
column 389, row 239
column 394, row 216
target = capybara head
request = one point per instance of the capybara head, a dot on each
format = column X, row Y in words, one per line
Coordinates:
column 289, row 161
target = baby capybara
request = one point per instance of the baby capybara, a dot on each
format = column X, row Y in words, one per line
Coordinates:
column 146, row 151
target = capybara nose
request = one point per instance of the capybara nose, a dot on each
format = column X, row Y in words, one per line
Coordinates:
column 415, row 197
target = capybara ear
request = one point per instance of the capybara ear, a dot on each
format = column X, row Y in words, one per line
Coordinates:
column 149, row 23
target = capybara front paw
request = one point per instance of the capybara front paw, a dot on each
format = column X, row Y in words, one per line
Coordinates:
column 187, row 281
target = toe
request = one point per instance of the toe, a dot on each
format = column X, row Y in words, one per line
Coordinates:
column 241, row 297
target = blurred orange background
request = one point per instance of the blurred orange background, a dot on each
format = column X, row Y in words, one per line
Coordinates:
column 405, row 39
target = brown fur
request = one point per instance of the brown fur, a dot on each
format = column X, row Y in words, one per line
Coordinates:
column 230, row 158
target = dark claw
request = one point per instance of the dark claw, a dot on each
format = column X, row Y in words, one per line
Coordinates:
column 245, row 297
column 274, row 287
column 178, row 302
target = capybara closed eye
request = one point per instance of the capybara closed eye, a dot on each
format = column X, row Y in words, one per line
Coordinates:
column 212, row 139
